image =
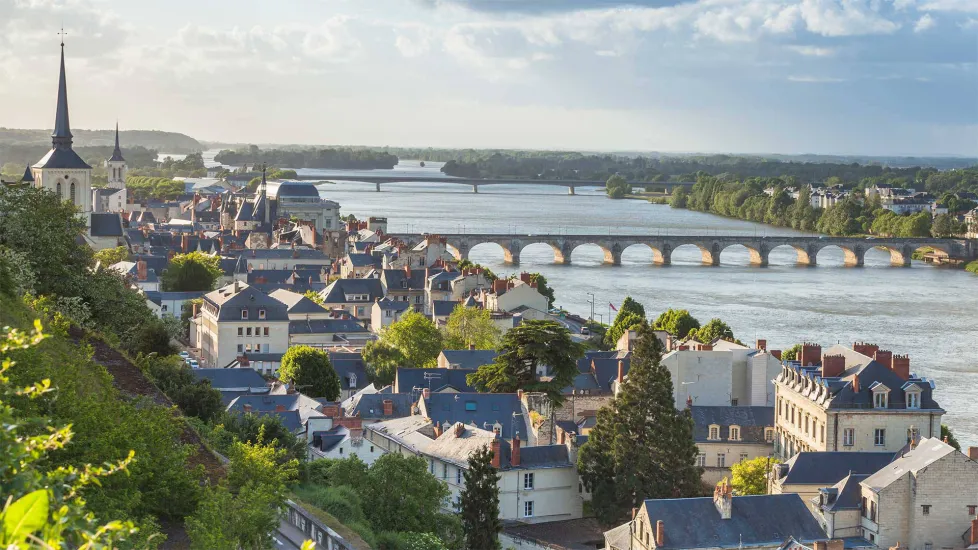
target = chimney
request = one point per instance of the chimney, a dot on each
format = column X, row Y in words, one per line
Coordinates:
column 810, row 354
column 525, row 277
column 833, row 366
column 868, row 350
column 332, row 410
column 761, row 345
column 901, row 366
column 388, row 407
column 407, row 271
column 437, row 428
column 519, row 394
column 855, row 383
column 471, row 347
column 279, row 408
column 141, row 270
column 184, row 242
column 514, row 459
column 499, row 286
column 426, row 393
column 621, row 371
column 884, row 358
column 634, row 513
column 837, row 544
column 776, row 353
column 459, row 429
column 973, row 453
column 723, row 499
column 496, row 447
column 974, row 532
column 660, row 533
column 247, row 408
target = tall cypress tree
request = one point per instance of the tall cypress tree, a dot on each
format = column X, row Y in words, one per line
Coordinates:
column 641, row 446
column 479, row 503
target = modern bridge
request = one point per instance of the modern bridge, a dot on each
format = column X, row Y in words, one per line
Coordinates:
column 475, row 183
column 710, row 246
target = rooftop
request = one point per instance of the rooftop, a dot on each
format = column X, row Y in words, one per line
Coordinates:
column 827, row 468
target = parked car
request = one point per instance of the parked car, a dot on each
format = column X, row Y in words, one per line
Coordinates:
column 585, row 331
column 184, row 355
column 194, row 364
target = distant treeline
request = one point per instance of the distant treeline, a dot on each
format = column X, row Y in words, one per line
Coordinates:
column 310, row 158
column 24, row 154
column 167, row 142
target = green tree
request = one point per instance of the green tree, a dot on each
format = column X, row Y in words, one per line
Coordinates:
column 315, row 297
column 679, row 197
column 791, row 354
column 543, row 288
column 944, row 226
column 192, row 271
column 465, row 263
column 621, row 324
column 416, row 337
column 109, row 256
column 310, row 371
column 471, row 326
column 525, row 349
column 400, row 494
column 479, row 503
column 641, row 446
column 677, row 322
column 617, row 187
column 949, row 437
column 750, row 476
column 382, row 361
column 174, row 378
column 712, row 330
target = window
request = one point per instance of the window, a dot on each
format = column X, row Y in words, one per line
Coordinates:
column 769, row 434
column 701, row 460
column 806, row 424
column 60, row 194
column 913, row 400
column 925, row 509
column 470, row 406
column 823, row 433
column 341, row 450
column 879, row 399
column 261, row 313
column 864, row 508
column 432, row 467
column 714, row 432
column 244, row 313
column 403, row 284
column 417, row 299
column 163, row 307
column 248, row 348
column 971, row 510
column 743, row 457
column 733, row 402
column 528, row 482
column 266, row 331
column 734, row 433
column 848, row 437
column 74, row 197
column 458, row 476
column 249, row 331
column 371, row 448
column 389, row 313
column 528, row 509
column 879, row 437
column 721, row 460
column 240, row 331
column 872, row 510
column 444, row 471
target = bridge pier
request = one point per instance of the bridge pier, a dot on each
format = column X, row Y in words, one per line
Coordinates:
column 854, row 256
column 475, row 188
column 758, row 257
column 378, row 187
column 900, row 258
column 570, row 190
column 612, row 257
column 511, row 257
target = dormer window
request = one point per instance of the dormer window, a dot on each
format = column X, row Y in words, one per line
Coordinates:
column 880, row 399
column 734, row 433
column 714, row 432
column 261, row 313
column 769, row 434
column 913, row 399
column 244, row 313
column 403, row 284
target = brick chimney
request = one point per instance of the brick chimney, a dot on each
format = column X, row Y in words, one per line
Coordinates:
column 884, row 358
column 332, row 410
column 514, row 458
column 247, row 408
column 836, row 544
column 459, row 429
column 973, row 453
column 901, row 366
column 141, row 270
column 426, row 393
column 855, row 383
column 407, row 271
column 279, row 408
column 660, row 533
column 499, row 286
column 974, row 532
column 437, row 428
column 496, row 447
column 621, row 371
column 184, row 242
column 388, row 407
column 525, row 277
column 761, row 345
column 810, row 354
column 833, row 365
column 864, row 348
column 776, row 353
column 821, row 545
column 723, row 499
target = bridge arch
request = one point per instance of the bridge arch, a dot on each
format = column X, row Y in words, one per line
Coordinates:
column 853, row 256
column 901, row 254
column 508, row 255
column 657, row 253
column 803, row 255
column 709, row 253
column 758, row 254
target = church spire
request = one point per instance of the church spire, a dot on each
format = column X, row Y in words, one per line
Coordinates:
column 61, row 137
column 117, row 152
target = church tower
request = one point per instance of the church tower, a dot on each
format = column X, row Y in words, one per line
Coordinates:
column 62, row 171
column 117, row 165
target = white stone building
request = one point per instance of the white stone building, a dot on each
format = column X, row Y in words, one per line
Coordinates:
column 238, row 320
column 723, row 374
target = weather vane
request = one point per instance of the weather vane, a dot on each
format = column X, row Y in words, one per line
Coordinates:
column 62, row 34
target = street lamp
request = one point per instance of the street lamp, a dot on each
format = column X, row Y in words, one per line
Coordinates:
column 591, row 301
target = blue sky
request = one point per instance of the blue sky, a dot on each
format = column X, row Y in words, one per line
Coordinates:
column 741, row 76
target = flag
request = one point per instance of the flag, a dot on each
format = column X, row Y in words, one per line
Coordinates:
column 612, row 306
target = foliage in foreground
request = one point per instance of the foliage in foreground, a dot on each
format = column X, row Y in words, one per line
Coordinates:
column 750, row 476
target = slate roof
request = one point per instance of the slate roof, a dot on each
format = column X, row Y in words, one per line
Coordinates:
column 827, row 468
column 761, row 520
column 328, row 440
column 28, row 175
column 292, row 189
column 846, row 494
column 285, row 253
column 584, row 363
column 106, row 224
column 926, row 452
column 336, row 292
column 230, row 304
column 281, row 276
column 393, row 305
column 571, row 534
column 583, row 382
column 326, row 326
column 62, row 158
column 371, row 406
column 349, row 366
column 481, row 410
column 297, row 303
column 397, row 279
column 405, row 380
column 752, row 421
column 443, row 308
column 230, row 378
column 117, row 152
column 469, row 358
column 363, row 260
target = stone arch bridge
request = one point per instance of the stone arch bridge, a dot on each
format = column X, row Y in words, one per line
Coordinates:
column 807, row 248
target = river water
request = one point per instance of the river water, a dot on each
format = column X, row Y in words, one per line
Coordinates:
column 927, row 312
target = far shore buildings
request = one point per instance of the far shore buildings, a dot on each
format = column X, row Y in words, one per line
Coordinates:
column 852, row 399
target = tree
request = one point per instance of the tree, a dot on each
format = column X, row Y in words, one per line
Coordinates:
column 677, row 322
column 750, row 476
column 525, row 349
column 641, row 446
column 382, row 361
column 617, row 187
column 791, row 354
column 629, row 305
column 714, row 329
column 315, row 297
column 417, row 339
column 949, row 437
column 621, row 324
column 470, row 326
column 679, row 197
column 543, row 288
column 944, row 226
column 109, row 256
column 310, row 371
column 400, row 494
column 479, row 503
column 192, row 271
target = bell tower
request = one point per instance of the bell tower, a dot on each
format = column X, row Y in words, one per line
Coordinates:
column 117, row 165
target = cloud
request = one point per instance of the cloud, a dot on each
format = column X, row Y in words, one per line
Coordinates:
column 845, row 18
column 815, row 79
column 925, row 22
column 967, row 6
column 813, row 51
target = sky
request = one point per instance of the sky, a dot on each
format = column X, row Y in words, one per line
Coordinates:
column 873, row 77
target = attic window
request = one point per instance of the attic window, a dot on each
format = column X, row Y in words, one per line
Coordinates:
column 261, row 313
column 880, row 399
column 913, row 399
column 470, row 406
column 244, row 313
column 734, row 433
column 714, row 432
column 769, row 434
